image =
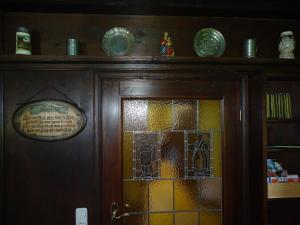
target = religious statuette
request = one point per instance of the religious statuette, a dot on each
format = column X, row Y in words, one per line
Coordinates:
column 250, row 48
column 286, row 45
column 166, row 46
column 23, row 42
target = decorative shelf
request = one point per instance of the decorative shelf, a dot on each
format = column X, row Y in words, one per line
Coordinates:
column 296, row 120
column 284, row 190
column 284, row 148
column 148, row 59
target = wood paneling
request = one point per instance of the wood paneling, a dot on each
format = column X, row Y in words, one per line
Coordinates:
column 1, row 32
column 270, row 8
column 46, row 181
column 50, row 32
column 112, row 164
column 284, row 211
column 257, row 155
column 2, row 184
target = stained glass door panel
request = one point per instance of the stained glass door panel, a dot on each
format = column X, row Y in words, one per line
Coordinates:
column 172, row 161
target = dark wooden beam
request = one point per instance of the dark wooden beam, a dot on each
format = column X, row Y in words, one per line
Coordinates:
column 257, row 154
column 1, row 32
column 257, row 8
column 2, row 194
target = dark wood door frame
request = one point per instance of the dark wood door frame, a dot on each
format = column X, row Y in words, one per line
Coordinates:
column 228, row 90
column 2, row 184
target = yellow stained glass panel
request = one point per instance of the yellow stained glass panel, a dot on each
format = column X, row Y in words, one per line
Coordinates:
column 135, row 194
column 210, row 218
column 160, row 115
column 186, row 194
column 136, row 220
column 189, row 218
column 161, row 195
column 210, row 118
column 161, row 219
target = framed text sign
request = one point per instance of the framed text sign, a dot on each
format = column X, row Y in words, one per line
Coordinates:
column 49, row 120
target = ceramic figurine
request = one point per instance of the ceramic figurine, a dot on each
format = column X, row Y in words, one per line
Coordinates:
column 23, row 41
column 166, row 47
column 286, row 45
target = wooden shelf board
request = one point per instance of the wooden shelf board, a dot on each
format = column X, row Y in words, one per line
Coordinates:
column 284, row 190
column 283, row 149
column 296, row 120
column 148, row 59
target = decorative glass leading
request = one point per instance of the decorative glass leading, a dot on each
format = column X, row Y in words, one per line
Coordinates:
column 172, row 164
column 146, row 155
column 197, row 154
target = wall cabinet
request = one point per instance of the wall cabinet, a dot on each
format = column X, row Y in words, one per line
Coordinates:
column 283, row 147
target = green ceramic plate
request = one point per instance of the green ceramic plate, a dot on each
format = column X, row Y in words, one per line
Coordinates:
column 118, row 41
column 209, row 42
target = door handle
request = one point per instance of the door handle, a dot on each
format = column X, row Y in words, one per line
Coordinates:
column 114, row 214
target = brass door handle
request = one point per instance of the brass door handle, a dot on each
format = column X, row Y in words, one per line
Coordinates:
column 114, row 214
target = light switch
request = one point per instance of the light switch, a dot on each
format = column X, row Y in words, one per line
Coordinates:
column 81, row 216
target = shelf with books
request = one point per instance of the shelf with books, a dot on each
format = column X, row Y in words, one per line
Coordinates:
column 283, row 149
column 284, row 190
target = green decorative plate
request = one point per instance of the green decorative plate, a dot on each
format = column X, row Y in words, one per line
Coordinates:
column 118, row 41
column 209, row 42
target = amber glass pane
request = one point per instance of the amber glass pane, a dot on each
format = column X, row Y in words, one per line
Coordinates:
column 172, row 155
column 186, row 195
column 127, row 155
column 216, row 155
column 136, row 220
column 135, row 193
column 161, row 219
column 135, row 115
column 159, row 115
column 210, row 119
column 184, row 114
column 211, row 193
column 210, row 218
column 190, row 218
column 161, row 195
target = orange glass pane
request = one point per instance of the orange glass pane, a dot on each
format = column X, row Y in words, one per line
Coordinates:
column 210, row 218
column 159, row 115
column 135, row 194
column 161, row 219
column 186, row 218
column 161, row 195
column 186, row 195
column 136, row 220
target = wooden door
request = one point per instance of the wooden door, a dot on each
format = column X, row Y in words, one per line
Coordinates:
column 172, row 152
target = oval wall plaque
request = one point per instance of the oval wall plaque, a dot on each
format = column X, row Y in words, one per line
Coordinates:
column 49, row 120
